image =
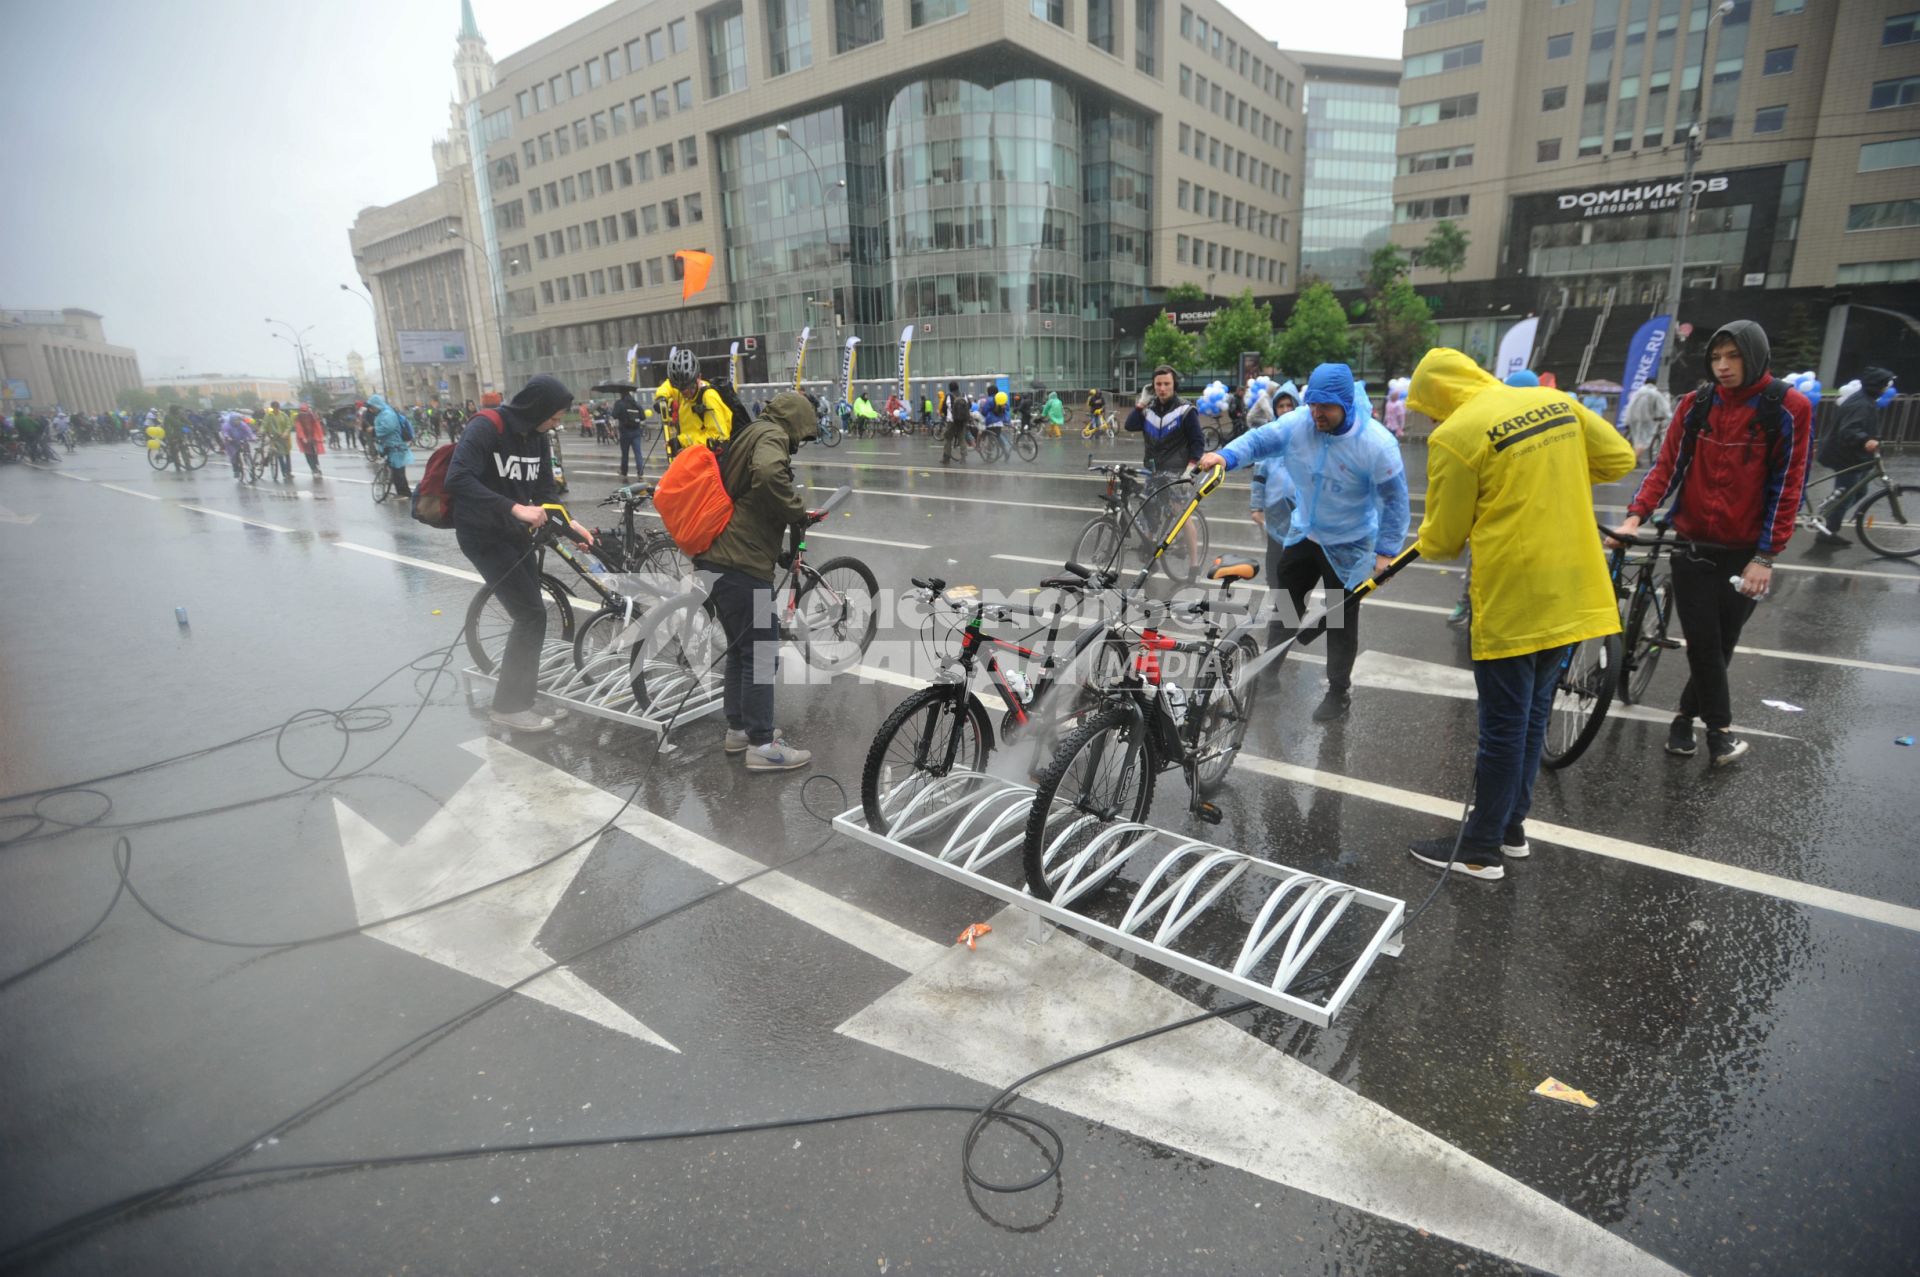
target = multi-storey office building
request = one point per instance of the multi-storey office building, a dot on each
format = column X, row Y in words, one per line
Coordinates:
column 1353, row 126
column 1001, row 175
column 61, row 358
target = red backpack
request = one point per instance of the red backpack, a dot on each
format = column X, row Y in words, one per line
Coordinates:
column 432, row 503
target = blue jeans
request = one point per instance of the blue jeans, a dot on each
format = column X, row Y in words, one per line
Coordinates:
column 1846, row 491
column 1516, row 698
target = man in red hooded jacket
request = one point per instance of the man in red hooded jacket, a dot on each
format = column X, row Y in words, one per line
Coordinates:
column 1735, row 470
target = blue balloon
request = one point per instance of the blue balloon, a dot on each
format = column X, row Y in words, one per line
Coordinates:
column 1886, row 396
column 1812, row 391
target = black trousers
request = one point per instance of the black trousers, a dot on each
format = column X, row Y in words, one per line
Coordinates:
column 630, row 443
column 1712, row 614
column 1297, row 568
column 745, row 609
column 513, row 570
column 955, row 442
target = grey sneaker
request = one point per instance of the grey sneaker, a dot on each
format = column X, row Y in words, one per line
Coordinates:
column 736, row 741
column 1462, row 614
column 1724, row 747
column 526, row 720
column 776, row 756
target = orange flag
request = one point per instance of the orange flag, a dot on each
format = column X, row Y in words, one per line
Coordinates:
column 698, row 266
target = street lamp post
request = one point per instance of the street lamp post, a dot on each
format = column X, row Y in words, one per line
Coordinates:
column 1694, row 137
column 785, row 134
column 367, row 297
column 299, row 344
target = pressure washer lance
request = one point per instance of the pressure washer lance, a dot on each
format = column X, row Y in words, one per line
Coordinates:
column 1318, row 623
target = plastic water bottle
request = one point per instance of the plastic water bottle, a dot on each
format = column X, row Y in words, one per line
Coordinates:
column 1176, row 700
column 1017, row 680
column 1739, row 587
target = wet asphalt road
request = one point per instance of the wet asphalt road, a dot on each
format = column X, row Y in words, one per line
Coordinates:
column 1751, row 1043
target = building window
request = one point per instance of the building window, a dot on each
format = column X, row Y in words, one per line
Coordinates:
column 634, row 278
column 1887, row 215
column 857, row 23
column 580, row 134
column 921, row 12
column 650, row 219
column 595, row 75
column 546, row 291
column 586, row 185
column 789, row 35
column 1559, row 46
column 677, row 35
column 574, row 241
column 1436, row 161
column 592, row 230
column 1547, row 150
column 639, row 108
column 689, row 152
column 562, row 142
column 696, row 210
column 617, row 116
column 1431, row 209
column 533, row 198
column 661, row 102
column 630, row 224
column 683, row 94
column 566, row 190
column 1054, row 11
column 1100, row 25
column 1878, row 272
column 524, row 101
column 616, row 279
column 616, row 63
column 655, row 274
column 1900, row 153
column 599, row 126
column 1180, row 243
column 656, row 45
column 527, row 153
column 1553, row 99
column 643, row 166
column 1789, row 6
column 1902, row 92
column 1770, row 119
column 636, row 55
column 1146, row 36
column 540, row 247
column 1186, row 138
column 609, row 227
column 1420, row 15
column 726, row 30
column 665, row 154
column 677, row 268
column 553, row 195
column 1901, row 28
column 1779, row 61
column 1463, row 107
column 1186, row 191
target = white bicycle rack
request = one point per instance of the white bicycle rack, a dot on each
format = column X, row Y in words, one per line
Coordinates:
column 603, row 688
column 961, row 824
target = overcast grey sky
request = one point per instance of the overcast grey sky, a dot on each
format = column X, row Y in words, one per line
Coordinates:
column 189, row 168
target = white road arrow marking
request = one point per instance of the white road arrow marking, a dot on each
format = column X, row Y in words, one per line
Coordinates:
column 1218, row 1093
column 8, row 516
column 506, row 817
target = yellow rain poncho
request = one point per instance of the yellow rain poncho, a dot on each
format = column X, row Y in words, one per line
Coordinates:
column 1513, row 470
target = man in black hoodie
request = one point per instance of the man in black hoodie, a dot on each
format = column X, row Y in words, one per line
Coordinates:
column 1850, row 445
column 498, row 478
column 629, row 418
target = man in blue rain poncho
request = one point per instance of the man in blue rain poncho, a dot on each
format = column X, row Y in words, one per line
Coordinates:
column 1350, row 507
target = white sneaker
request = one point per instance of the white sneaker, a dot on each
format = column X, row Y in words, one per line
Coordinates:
column 776, row 756
column 736, row 742
column 526, row 720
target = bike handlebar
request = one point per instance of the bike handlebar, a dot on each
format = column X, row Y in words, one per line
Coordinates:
column 1664, row 536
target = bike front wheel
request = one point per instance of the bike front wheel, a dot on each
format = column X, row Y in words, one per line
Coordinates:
column 933, row 733
column 829, row 434
column 1221, row 712
column 382, row 484
column 489, row 622
column 1101, row 774
column 1645, row 638
column 1588, row 678
column 993, row 447
column 1026, row 447
column 1888, row 522
column 678, row 653
column 1098, row 545
column 159, row 458
column 836, row 612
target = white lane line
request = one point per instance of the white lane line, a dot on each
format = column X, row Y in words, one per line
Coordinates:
column 847, row 536
column 1021, row 505
column 389, row 555
column 77, row 478
column 1553, row 835
column 132, row 492
column 222, row 514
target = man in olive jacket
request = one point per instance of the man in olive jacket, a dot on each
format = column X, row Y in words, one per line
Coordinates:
column 758, row 472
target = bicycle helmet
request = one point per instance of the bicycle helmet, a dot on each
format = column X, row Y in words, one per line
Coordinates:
column 682, row 368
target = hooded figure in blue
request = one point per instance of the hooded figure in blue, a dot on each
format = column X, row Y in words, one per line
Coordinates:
column 1350, row 509
column 389, row 434
column 1273, row 493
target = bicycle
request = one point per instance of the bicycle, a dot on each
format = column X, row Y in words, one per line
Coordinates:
column 651, row 561
column 1025, row 443
column 1893, row 533
column 1132, row 512
column 1646, row 612
column 828, row 612
column 488, row 621
column 988, row 442
column 1100, row 425
column 382, row 479
column 177, row 451
column 944, row 726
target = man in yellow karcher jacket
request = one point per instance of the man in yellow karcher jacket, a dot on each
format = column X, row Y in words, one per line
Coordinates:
column 1513, row 470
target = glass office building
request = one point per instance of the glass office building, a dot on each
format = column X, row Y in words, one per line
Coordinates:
column 1353, row 117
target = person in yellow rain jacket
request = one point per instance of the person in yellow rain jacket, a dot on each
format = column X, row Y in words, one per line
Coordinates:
column 1513, row 469
column 691, row 411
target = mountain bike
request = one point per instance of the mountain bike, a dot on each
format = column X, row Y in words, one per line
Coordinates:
column 176, row 450
column 828, row 612
column 488, row 621
column 1886, row 518
column 648, row 562
column 1100, row 425
column 944, row 726
column 382, row 479
column 1025, row 441
column 1133, row 511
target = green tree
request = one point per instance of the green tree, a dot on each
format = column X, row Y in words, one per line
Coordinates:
column 1315, row 333
column 1797, row 346
column 1403, row 328
column 137, row 399
column 1387, row 264
column 1238, row 326
column 1164, row 343
column 1445, row 249
column 1186, row 293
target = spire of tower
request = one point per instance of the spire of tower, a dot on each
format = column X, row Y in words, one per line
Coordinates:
column 469, row 29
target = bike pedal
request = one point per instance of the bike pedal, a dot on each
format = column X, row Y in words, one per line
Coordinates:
column 1671, row 644
column 1209, row 813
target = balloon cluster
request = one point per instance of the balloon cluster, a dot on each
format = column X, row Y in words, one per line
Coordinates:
column 1398, row 387
column 1213, row 400
column 1886, row 396
column 1808, row 384
column 1261, row 386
